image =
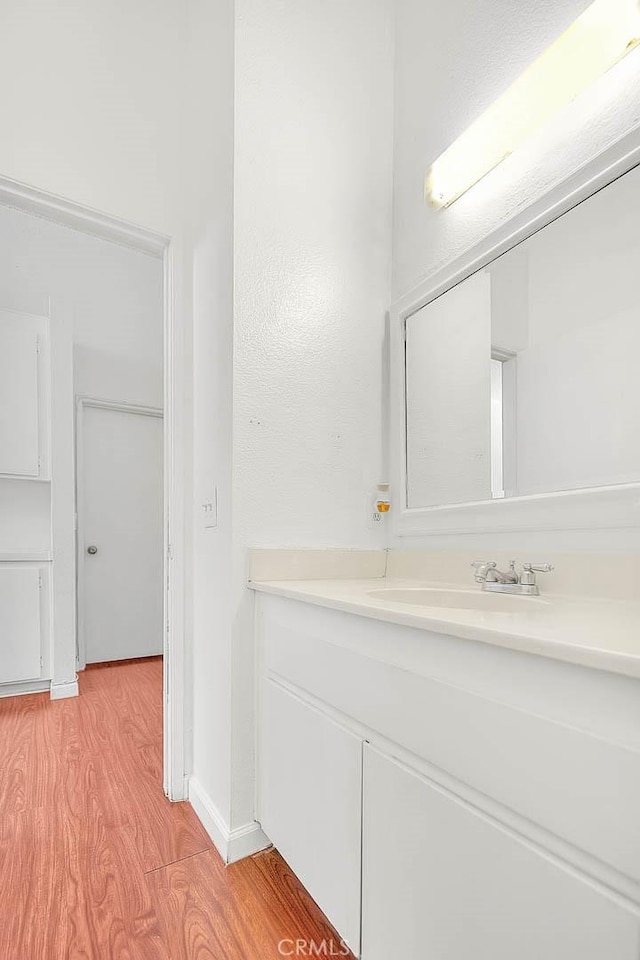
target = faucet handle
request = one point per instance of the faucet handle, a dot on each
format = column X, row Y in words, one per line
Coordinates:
column 482, row 567
column 529, row 570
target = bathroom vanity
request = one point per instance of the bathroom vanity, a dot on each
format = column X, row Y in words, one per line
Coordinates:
column 454, row 774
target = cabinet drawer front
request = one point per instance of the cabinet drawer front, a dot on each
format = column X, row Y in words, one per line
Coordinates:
column 310, row 806
column 580, row 787
column 442, row 881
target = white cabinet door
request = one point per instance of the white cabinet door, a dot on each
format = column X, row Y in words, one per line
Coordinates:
column 20, row 630
column 442, row 881
column 19, row 396
column 310, row 803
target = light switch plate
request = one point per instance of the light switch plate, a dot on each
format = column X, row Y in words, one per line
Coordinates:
column 210, row 511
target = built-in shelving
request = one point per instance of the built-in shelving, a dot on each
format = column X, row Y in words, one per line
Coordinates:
column 25, row 499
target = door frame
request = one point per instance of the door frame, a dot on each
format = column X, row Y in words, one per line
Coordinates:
column 82, row 402
column 176, row 323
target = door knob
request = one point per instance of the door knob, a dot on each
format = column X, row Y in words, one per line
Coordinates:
column 92, row 550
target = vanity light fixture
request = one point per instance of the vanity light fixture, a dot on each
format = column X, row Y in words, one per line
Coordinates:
column 598, row 39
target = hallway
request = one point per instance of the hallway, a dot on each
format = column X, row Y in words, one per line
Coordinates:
column 96, row 864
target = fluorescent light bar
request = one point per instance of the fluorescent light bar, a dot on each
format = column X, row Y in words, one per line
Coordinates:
column 603, row 35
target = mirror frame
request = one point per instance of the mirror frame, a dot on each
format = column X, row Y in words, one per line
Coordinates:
column 606, row 507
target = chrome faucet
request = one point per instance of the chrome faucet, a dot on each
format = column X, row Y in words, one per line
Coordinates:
column 495, row 581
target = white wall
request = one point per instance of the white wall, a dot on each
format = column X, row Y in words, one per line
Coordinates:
column 314, row 87
column 213, row 583
column 453, row 60
column 113, row 292
column 313, row 223
column 97, row 103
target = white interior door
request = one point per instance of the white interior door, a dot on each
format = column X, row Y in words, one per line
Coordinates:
column 120, row 534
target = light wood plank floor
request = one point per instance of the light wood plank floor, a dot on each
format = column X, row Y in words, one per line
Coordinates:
column 96, row 864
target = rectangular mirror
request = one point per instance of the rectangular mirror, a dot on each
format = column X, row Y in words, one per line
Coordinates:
column 525, row 378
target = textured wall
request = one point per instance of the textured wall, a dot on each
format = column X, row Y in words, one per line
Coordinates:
column 313, row 227
column 453, row 60
column 314, row 113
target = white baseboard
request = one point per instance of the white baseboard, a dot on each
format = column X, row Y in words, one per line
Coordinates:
column 60, row 691
column 232, row 845
column 23, row 687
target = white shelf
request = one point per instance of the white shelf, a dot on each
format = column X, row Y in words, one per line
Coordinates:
column 14, row 476
column 31, row 557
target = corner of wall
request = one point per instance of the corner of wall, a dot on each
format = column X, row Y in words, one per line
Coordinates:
column 232, row 844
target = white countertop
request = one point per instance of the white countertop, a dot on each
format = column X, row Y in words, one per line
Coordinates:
column 602, row 634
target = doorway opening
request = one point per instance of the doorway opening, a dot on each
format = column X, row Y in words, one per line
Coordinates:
column 128, row 429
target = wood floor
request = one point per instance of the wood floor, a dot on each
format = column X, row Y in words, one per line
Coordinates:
column 96, row 864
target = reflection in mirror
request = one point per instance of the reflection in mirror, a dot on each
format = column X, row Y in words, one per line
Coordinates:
column 524, row 378
column 448, row 386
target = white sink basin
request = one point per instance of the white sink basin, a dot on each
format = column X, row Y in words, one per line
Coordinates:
column 459, row 599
